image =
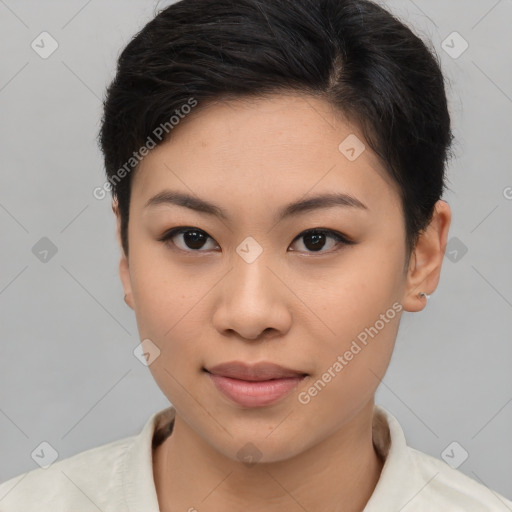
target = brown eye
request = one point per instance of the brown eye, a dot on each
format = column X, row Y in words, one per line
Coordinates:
column 190, row 239
column 316, row 239
column 193, row 239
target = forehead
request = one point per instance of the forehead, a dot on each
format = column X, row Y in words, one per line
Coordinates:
column 274, row 146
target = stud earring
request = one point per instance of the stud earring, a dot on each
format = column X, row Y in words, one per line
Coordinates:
column 423, row 294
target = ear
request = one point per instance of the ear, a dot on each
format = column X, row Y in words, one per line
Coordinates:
column 427, row 258
column 124, row 268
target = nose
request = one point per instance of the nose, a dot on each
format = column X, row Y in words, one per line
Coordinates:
column 253, row 301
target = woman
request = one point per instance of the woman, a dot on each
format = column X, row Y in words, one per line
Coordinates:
column 277, row 170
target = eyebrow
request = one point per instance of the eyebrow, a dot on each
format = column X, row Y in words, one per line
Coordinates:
column 328, row 200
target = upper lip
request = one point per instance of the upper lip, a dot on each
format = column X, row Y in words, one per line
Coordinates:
column 255, row 372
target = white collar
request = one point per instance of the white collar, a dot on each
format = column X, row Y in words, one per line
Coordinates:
column 398, row 483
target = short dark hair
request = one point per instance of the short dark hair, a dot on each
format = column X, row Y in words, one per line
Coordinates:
column 352, row 53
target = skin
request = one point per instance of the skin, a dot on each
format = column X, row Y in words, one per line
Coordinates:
column 293, row 305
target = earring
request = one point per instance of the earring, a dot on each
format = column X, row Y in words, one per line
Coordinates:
column 423, row 294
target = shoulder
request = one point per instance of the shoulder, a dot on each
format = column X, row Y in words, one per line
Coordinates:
column 446, row 488
column 413, row 481
column 82, row 481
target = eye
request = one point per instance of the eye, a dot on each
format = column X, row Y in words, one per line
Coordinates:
column 315, row 239
column 194, row 238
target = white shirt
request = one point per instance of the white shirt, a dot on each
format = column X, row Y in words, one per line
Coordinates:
column 118, row 477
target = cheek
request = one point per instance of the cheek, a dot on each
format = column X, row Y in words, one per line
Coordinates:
column 351, row 362
column 168, row 312
column 164, row 293
column 169, row 317
column 358, row 302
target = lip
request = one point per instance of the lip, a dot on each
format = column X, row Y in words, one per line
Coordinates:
column 253, row 372
column 255, row 385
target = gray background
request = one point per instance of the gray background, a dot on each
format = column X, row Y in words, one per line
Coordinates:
column 67, row 370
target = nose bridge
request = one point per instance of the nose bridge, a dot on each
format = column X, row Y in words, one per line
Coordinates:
column 250, row 273
column 252, row 301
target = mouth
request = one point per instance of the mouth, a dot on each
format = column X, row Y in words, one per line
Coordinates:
column 262, row 371
column 256, row 385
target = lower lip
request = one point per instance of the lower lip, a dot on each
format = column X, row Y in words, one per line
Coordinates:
column 255, row 393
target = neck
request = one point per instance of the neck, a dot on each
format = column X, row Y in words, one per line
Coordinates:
column 338, row 474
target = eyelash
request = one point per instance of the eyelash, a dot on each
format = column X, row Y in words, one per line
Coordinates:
column 340, row 239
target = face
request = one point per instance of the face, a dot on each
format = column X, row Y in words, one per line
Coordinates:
column 319, row 290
